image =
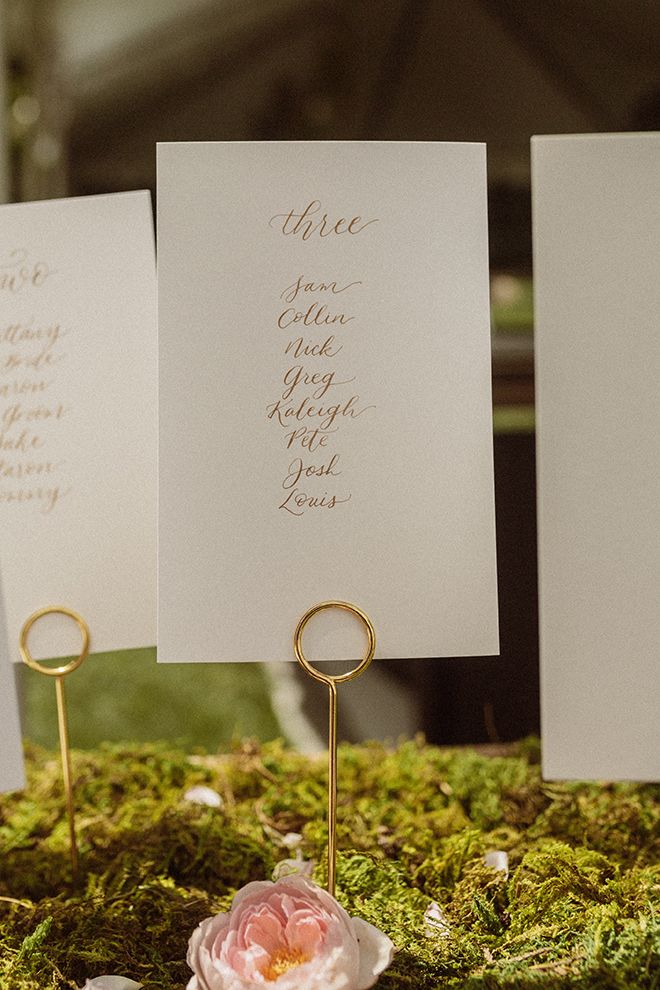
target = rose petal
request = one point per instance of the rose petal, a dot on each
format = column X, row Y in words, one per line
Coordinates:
column 376, row 952
column 435, row 922
column 111, row 983
column 199, row 955
column 498, row 860
column 204, row 795
column 305, row 932
column 264, row 929
column 255, row 891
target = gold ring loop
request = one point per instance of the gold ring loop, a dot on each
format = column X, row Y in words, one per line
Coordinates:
column 67, row 667
column 331, row 679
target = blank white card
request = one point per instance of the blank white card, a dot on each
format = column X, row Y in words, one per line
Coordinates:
column 597, row 288
column 12, row 776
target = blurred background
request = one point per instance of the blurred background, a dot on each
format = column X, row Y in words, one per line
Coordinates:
column 88, row 88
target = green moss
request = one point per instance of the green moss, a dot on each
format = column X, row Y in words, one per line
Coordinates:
column 579, row 908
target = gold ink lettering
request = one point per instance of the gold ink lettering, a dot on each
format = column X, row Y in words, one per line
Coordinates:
column 305, row 386
column 290, row 294
column 328, row 414
column 18, row 413
column 297, row 502
column 306, row 223
column 46, row 497
column 26, row 469
column 24, row 387
column 28, row 475
column 298, row 469
column 298, row 376
column 300, row 349
column 309, row 439
column 18, row 272
column 317, row 315
column 23, row 443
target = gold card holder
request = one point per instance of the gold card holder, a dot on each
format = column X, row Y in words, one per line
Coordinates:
column 59, row 673
column 332, row 680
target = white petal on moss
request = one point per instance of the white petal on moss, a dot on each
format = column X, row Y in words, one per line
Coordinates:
column 292, row 840
column 111, row 983
column 376, row 952
column 498, row 860
column 289, row 867
column 435, row 922
column 203, row 795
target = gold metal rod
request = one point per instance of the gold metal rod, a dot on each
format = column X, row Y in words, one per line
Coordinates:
column 332, row 681
column 59, row 673
column 332, row 787
column 63, row 727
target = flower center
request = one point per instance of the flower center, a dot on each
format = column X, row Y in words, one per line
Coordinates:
column 282, row 962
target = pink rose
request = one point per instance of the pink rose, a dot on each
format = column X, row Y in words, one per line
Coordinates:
column 291, row 934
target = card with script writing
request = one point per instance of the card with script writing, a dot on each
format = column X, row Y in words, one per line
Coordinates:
column 596, row 268
column 325, row 422
column 78, row 434
column 12, row 775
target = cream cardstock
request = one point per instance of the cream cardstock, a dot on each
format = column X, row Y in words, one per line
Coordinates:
column 78, row 434
column 325, row 421
column 12, row 776
column 597, row 284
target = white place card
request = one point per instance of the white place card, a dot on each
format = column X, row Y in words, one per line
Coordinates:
column 78, row 434
column 325, row 420
column 12, row 774
column 597, row 288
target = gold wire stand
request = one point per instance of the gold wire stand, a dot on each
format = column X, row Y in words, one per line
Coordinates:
column 332, row 681
column 59, row 673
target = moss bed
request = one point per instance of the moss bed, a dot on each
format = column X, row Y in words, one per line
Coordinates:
column 579, row 908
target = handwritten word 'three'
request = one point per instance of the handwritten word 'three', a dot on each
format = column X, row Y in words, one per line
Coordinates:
column 308, row 222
